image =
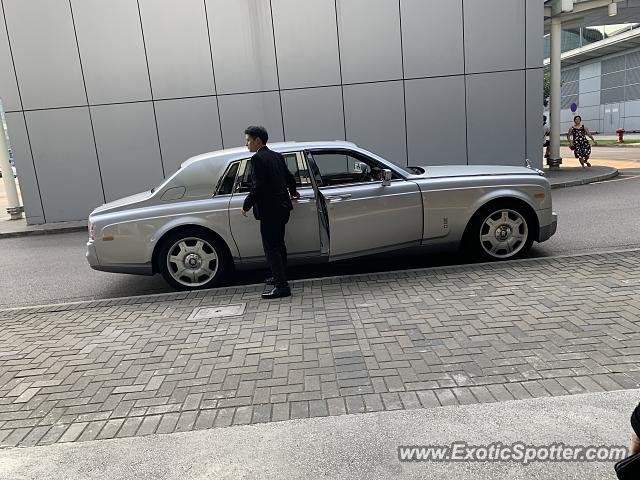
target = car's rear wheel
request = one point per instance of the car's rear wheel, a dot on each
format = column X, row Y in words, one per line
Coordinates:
column 193, row 259
column 501, row 231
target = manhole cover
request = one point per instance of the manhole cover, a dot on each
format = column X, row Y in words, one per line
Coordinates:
column 217, row 312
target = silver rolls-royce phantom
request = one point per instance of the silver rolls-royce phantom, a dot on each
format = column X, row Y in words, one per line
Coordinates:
column 352, row 203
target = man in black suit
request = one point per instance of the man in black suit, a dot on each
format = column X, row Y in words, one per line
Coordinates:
column 272, row 187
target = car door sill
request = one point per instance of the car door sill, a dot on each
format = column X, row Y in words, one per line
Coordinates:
column 374, row 251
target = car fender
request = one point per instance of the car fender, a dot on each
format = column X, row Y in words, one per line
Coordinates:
column 218, row 226
column 507, row 193
column 448, row 210
column 135, row 240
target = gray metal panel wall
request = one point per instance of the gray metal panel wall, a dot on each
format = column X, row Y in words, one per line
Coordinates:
column 534, row 33
column 374, row 118
column 177, row 41
column 494, row 35
column 8, row 86
column 307, row 50
column 424, row 35
column 65, row 159
column 379, row 31
column 313, row 114
column 239, row 111
column 187, row 127
column 109, row 34
column 495, row 114
column 434, row 138
column 286, row 64
column 242, row 45
column 128, row 149
column 45, row 53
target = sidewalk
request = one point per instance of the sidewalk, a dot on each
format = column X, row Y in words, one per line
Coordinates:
column 431, row 338
column 571, row 176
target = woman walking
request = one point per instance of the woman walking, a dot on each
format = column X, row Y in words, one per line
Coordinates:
column 577, row 137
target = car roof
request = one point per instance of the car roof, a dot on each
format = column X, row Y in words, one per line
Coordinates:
column 242, row 152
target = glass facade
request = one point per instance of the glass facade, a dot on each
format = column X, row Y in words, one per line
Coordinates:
column 581, row 37
column 619, row 81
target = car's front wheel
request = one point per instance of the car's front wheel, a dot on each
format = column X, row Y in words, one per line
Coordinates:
column 193, row 259
column 501, row 231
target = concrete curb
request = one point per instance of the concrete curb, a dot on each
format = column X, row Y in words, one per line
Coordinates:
column 584, row 181
column 618, row 145
column 42, row 231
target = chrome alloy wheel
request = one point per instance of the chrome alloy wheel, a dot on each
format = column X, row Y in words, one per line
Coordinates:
column 504, row 233
column 192, row 262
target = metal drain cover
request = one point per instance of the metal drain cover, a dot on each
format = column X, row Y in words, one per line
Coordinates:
column 217, row 312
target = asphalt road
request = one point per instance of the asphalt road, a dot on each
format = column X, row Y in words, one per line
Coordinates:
column 52, row 268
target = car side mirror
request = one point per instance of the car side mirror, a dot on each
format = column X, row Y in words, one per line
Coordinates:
column 386, row 177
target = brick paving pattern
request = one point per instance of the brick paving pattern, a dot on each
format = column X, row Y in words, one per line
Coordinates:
column 424, row 338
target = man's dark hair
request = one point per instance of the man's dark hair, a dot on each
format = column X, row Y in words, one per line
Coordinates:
column 257, row 132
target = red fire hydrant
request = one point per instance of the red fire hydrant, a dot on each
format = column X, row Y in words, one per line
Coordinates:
column 620, row 133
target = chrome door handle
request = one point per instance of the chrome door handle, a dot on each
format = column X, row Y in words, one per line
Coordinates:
column 336, row 198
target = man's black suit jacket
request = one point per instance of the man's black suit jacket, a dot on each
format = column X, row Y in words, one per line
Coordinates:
column 271, row 185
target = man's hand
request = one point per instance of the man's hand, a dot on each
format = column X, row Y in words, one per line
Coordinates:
column 635, row 444
column 295, row 195
column 244, row 213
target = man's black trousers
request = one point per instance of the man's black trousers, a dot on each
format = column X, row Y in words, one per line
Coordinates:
column 272, row 232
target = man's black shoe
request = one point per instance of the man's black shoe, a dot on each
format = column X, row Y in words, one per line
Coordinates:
column 277, row 292
column 270, row 281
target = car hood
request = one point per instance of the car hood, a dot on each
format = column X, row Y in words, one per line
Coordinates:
column 474, row 170
column 121, row 203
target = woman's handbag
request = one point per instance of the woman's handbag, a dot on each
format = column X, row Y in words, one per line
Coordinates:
column 629, row 468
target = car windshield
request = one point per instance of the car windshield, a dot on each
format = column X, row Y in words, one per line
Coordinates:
column 403, row 169
column 409, row 170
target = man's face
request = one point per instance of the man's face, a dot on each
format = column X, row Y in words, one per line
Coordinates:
column 253, row 143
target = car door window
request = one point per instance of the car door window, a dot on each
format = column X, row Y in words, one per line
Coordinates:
column 228, row 180
column 343, row 168
column 295, row 163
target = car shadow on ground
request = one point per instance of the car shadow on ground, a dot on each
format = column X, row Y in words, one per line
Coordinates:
column 366, row 265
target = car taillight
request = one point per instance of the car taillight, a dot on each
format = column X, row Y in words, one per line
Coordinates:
column 92, row 229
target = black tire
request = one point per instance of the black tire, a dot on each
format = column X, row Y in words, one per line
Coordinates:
column 184, row 244
column 512, row 240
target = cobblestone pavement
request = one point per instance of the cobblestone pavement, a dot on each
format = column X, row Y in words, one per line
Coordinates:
column 403, row 340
